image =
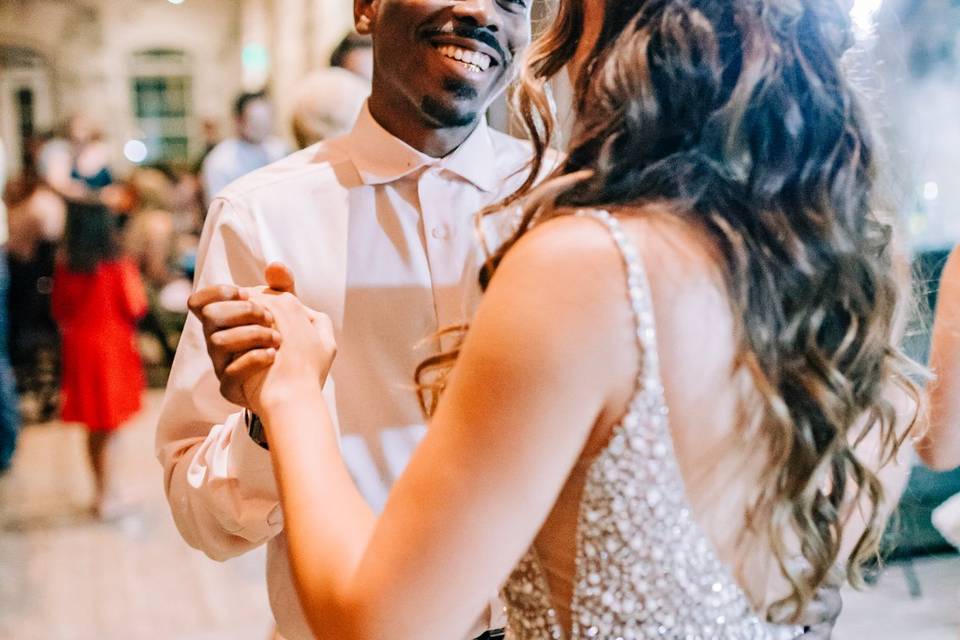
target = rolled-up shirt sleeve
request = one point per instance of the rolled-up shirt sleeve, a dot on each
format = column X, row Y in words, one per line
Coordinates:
column 219, row 483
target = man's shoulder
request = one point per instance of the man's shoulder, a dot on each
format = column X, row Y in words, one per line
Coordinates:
column 323, row 168
column 514, row 156
column 510, row 146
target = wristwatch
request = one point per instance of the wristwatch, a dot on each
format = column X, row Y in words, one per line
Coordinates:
column 255, row 428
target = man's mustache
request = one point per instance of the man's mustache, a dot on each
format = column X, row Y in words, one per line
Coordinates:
column 480, row 34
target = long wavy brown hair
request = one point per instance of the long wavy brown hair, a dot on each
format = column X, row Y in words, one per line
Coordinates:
column 738, row 116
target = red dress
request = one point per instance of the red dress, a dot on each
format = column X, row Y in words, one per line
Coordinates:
column 97, row 312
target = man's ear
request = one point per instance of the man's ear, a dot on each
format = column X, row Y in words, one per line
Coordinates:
column 364, row 15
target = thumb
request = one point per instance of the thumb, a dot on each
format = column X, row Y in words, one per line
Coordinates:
column 280, row 278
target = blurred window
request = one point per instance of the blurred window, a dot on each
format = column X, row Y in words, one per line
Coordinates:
column 162, row 100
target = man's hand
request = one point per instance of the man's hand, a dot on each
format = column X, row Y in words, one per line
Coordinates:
column 239, row 333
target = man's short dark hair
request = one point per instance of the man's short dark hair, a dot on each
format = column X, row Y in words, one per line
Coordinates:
column 246, row 98
column 350, row 43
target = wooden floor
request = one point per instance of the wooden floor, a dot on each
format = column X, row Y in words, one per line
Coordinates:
column 64, row 576
column 892, row 610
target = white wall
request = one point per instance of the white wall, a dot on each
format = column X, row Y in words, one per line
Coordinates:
column 89, row 45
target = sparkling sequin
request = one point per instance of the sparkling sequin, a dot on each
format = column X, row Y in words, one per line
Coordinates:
column 644, row 568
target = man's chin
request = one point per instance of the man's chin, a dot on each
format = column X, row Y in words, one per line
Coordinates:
column 447, row 116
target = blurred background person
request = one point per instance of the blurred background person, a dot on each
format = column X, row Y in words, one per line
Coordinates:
column 210, row 132
column 327, row 104
column 939, row 447
column 36, row 219
column 36, row 216
column 9, row 410
column 355, row 54
column 76, row 164
column 150, row 233
column 159, row 238
column 254, row 146
column 98, row 298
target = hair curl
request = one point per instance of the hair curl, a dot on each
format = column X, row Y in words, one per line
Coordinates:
column 738, row 116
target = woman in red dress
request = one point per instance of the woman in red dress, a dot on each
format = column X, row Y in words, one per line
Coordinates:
column 98, row 298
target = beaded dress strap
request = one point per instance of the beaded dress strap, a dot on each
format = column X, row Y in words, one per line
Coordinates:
column 640, row 301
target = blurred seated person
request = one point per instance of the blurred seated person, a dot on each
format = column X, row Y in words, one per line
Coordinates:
column 76, row 164
column 254, row 146
column 939, row 446
column 355, row 54
column 327, row 104
column 152, row 242
column 149, row 236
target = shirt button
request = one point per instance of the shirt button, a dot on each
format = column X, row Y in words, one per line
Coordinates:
column 439, row 233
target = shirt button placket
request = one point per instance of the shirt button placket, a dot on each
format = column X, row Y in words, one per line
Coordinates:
column 430, row 191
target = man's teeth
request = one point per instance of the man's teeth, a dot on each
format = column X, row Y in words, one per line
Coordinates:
column 474, row 60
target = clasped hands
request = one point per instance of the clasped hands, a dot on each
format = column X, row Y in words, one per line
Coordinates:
column 267, row 347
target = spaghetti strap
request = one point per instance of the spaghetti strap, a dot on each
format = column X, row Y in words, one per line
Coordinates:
column 641, row 302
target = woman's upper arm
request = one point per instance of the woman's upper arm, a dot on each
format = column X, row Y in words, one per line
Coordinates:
column 940, row 445
column 534, row 375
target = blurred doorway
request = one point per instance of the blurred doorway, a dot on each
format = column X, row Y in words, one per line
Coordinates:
column 26, row 101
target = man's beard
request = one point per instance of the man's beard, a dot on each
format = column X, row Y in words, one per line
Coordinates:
column 444, row 116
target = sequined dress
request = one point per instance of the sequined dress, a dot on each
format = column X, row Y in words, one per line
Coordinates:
column 644, row 567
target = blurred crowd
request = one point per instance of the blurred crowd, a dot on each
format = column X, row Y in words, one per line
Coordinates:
column 87, row 241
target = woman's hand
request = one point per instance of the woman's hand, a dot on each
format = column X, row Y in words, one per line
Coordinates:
column 302, row 361
column 239, row 335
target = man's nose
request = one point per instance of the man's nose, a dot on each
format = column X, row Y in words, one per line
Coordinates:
column 482, row 13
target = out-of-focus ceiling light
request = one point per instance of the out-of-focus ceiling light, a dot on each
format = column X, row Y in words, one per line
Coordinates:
column 135, row 151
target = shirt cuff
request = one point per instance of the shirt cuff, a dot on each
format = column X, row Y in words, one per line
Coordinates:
column 245, row 454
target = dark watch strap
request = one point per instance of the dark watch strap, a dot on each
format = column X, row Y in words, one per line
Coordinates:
column 255, row 428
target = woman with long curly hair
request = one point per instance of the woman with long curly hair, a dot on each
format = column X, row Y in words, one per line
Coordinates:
column 657, row 409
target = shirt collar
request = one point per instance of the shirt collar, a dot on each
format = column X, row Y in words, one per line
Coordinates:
column 380, row 157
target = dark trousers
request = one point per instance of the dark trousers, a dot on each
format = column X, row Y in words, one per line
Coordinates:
column 9, row 403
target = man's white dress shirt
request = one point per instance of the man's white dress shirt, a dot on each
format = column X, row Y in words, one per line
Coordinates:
column 382, row 238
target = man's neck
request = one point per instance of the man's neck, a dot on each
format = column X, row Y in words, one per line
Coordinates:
column 395, row 118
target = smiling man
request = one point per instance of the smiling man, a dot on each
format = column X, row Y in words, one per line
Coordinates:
column 378, row 227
